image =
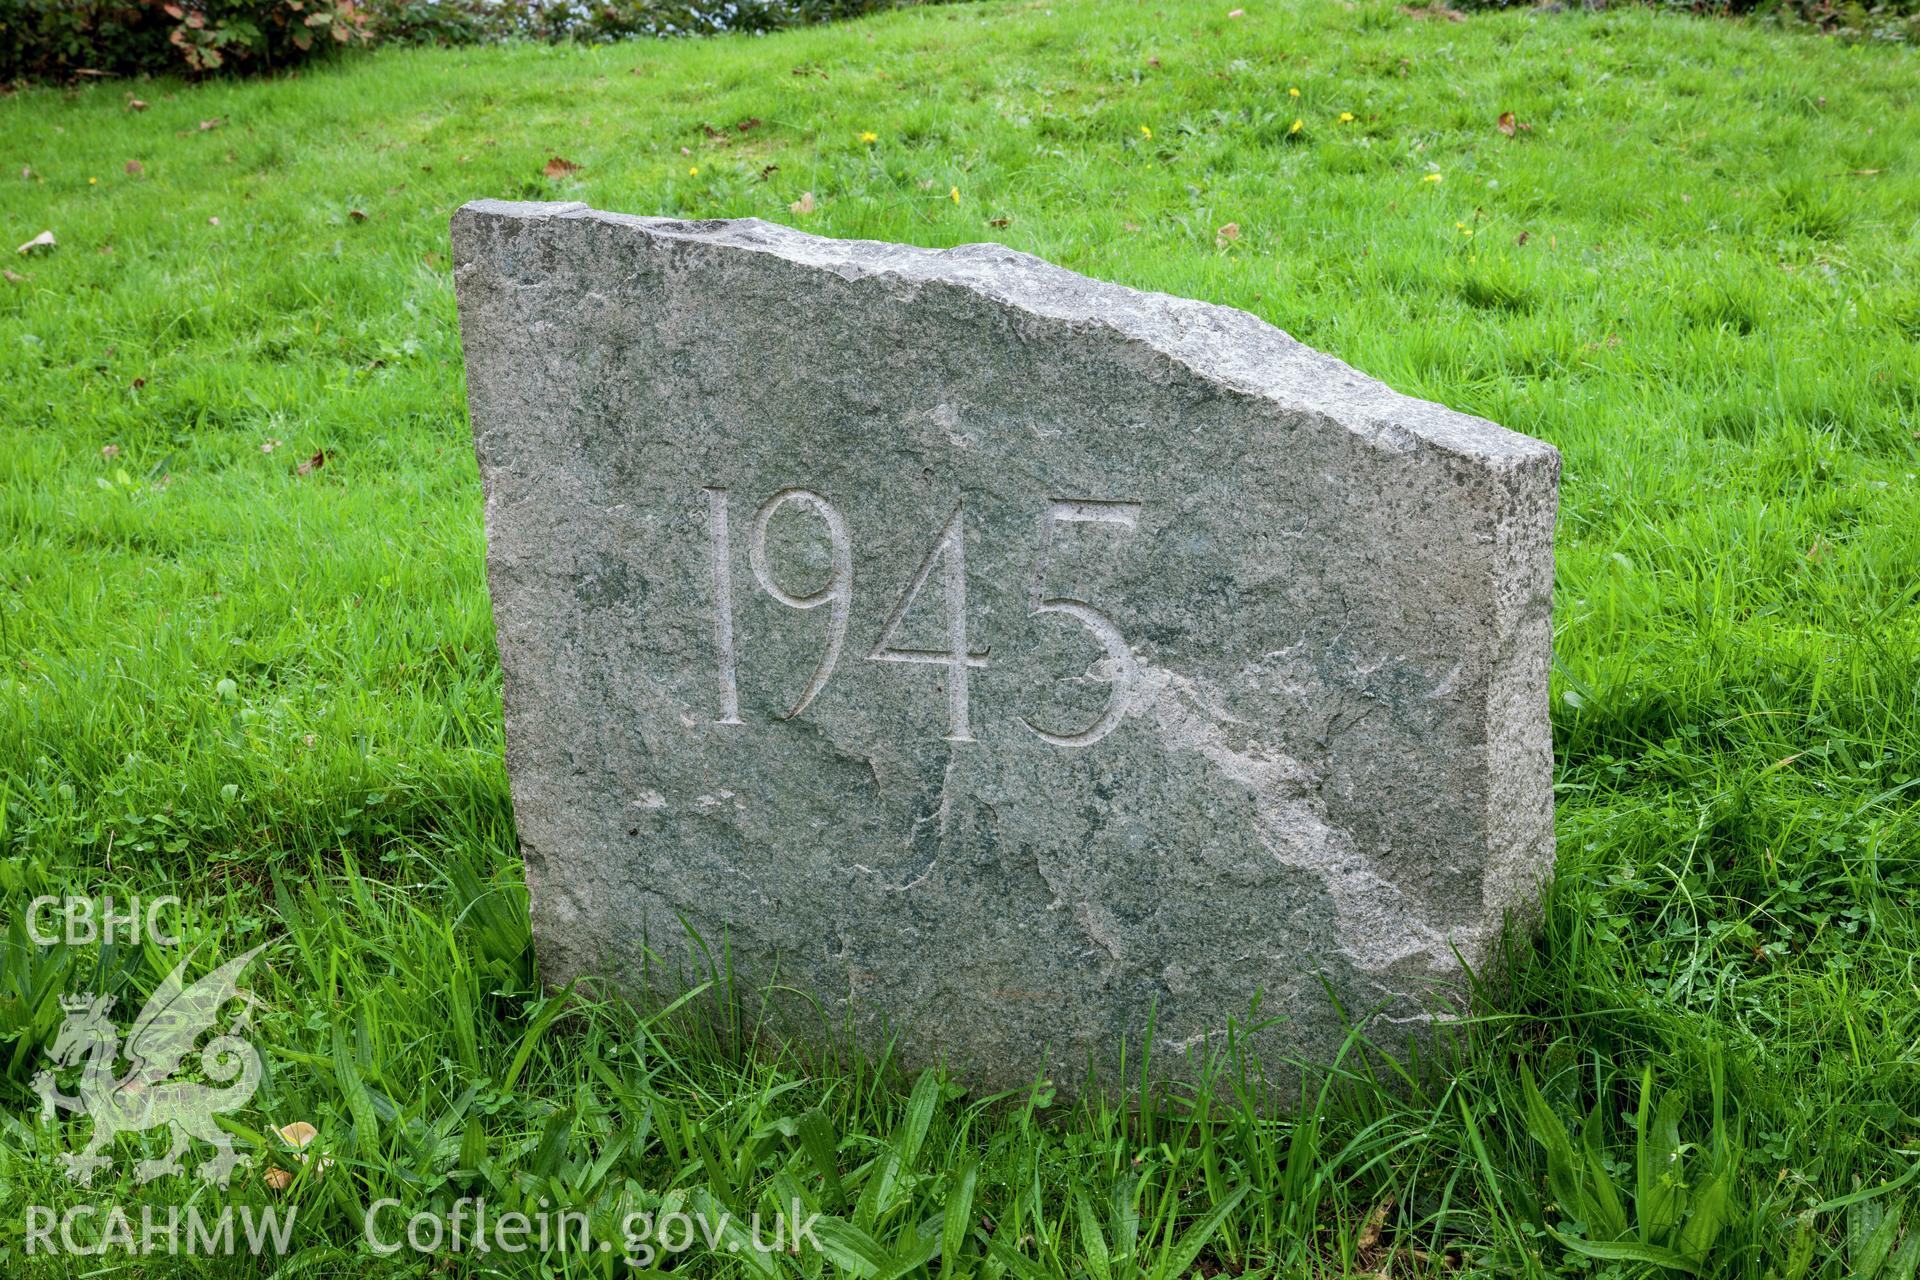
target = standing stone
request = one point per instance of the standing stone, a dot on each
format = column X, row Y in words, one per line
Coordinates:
column 1010, row 661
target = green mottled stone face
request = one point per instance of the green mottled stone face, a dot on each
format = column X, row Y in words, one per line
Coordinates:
column 995, row 657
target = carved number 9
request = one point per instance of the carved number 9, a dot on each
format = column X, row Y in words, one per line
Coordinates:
column 837, row 594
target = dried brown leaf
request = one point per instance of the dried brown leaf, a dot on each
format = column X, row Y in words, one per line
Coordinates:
column 1369, row 1239
column 805, row 204
column 311, row 465
column 39, row 244
column 299, row 1133
column 557, row 168
column 135, row 168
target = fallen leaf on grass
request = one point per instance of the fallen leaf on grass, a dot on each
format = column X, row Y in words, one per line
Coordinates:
column 311, row 465
column 135, row 104
column 1510, row 126
column 751, row 122
column 805, row 204
column 298, row 1135
column 277, row 1178
column 27, row 174
column 135, row 168
column 358, row 215
column 558, row 168
column 999, row 222
column 1434, row 11
column 772, row 168
column 109, row 451
column 1227, row 235
column 213, row 221
column 1369, row 1238
column 38, row 244
column 14, row 277
column 214, row 123
column 268, row 446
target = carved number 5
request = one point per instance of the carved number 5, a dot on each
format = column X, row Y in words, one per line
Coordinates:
column 1123, row 667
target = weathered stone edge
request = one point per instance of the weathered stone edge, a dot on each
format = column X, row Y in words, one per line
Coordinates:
column 1217, row 342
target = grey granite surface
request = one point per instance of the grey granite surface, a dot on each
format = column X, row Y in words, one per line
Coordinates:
column 1000, row 658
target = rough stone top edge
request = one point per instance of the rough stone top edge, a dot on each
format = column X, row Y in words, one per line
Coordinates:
column 1221, row 343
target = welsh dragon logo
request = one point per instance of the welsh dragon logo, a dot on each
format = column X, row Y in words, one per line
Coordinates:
column 146, row 1096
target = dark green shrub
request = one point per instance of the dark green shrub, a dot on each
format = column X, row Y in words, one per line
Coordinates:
column 442, row 21
column 62, row 39
column 58, row 39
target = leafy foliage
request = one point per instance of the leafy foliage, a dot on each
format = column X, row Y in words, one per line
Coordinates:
column 65, row 39
column 60, row 39
column 1682, row 1197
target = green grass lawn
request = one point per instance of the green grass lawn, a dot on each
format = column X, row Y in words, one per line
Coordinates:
column 1694, row 266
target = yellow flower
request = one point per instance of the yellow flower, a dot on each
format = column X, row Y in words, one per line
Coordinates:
column 1346, row 117
column 1432, row 177
column 1293, row 93
column 694, row 171
column 1145, row 132
column 869, row 137
column 1298, row 125
column 954, row 195
column 93, row 182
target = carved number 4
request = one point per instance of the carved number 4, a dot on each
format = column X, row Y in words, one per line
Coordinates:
column 950, row 548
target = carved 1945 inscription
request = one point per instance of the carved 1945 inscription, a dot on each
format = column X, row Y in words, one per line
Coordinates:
column 948, row 555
